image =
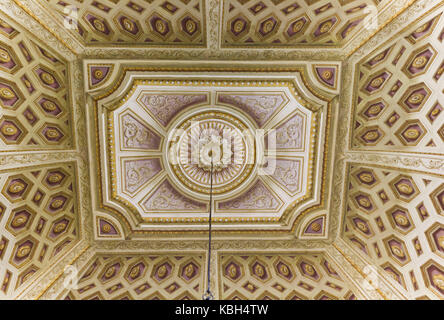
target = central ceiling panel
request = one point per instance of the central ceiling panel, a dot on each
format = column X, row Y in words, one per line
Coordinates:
column 198, row 118
column 264, row 135
column 228, row 121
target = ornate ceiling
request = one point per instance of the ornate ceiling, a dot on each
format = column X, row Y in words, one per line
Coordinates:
column 327, row 124
column 160, row 124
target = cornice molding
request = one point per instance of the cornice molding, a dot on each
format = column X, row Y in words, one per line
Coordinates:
column 218, row 244
column 388, row 14
column 51, row 282
column 41, row 25
column 393, row 27
column 12, row 160
column 355, row 278
column 424, row 163
column 376, row 282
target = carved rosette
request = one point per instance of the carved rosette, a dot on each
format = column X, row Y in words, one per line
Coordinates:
column 216, row 137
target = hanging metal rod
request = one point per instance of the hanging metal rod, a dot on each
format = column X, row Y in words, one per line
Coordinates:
column 208, row 295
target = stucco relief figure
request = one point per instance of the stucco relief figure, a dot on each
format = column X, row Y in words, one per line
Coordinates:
column 290, row 134
column 140, row 171
column 165, row 107
column 136, row 135
column 258, row 197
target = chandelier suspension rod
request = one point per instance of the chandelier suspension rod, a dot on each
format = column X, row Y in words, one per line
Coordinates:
column 209, row 295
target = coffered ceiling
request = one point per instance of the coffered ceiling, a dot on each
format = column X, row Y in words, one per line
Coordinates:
column 341, row 182
column 241, row 23
column 137, row 22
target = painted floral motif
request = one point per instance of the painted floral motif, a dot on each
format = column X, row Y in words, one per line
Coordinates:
column 165, row 107
column 166, row 198
column 138, row 172
column 258, row 197
column 287, row 173
column 290, row 134
column 260, row 108
column 137, row 135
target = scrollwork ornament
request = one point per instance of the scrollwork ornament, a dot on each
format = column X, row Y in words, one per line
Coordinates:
column 172, row 245
column 213, row 22
column 408, row 162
